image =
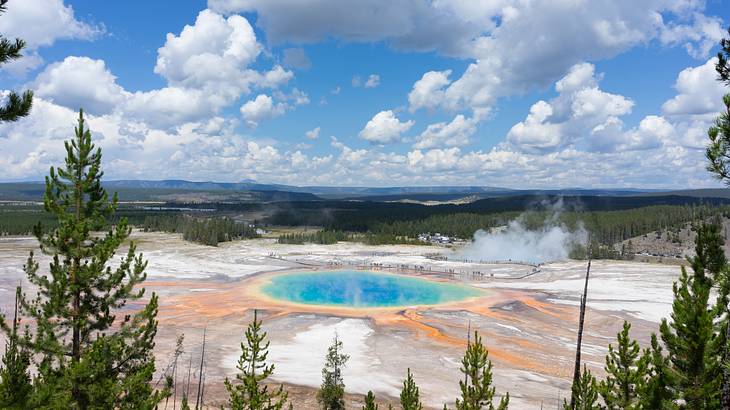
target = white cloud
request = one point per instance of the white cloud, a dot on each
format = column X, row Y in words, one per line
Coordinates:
column 498, row 37
column 385, row 128
column 698, row 38
column 80, row 82
column 700, row 94
column 577, row 138
column 580, row 114
column 428, row 91
column 214, row 55
column 578, row 77
column 211, row 149
column 372, row 81
column 536, row 133
column 170, row 106
column 206, row 68
column 212, row 45
column 41, row 23
column 275, row 78
column 260, row 108
column 312, row 134
column 435, row 159
column 454, row 133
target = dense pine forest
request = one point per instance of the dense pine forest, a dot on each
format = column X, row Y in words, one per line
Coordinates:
column 204, row 230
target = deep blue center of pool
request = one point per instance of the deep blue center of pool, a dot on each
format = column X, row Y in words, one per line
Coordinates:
column 363, row 289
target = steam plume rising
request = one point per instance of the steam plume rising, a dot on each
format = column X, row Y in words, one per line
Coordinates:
column 552, row 241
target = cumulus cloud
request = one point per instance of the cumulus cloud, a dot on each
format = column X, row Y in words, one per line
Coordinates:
column 454, row 133
column 577, row 138
column 263, row 106
column 508, row 61
column 579, row 112
column 41, row 23
column 497, row 36
column 80, row 82
column 206, row 67
column 385, row 128
column 211, row 45
column 212, row 149
column 214, row 54
column 428, row 91
column 699, row 93
column 170, row 106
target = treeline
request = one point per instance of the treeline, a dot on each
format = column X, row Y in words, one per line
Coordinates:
column 461, row 225
column 24, row 221
column 363, row 216
column 610, row 227
column 605, row 227
column 323, row 237
column 204, row 230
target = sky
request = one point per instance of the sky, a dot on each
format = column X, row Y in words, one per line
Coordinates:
column 503, row 93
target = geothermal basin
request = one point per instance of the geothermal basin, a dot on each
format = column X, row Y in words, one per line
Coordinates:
column 363, row 289
column 305, row 294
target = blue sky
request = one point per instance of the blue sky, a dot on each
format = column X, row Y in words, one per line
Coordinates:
column 520, row 94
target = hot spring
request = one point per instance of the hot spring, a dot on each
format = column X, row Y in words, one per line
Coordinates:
column 363, row 289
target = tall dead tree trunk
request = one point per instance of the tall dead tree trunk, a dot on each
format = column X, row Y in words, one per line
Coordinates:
column 726, row 371
column 581, row 321
column 200, row 373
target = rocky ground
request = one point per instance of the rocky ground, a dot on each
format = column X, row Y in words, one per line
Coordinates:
column 528, row 321
column 665, row 245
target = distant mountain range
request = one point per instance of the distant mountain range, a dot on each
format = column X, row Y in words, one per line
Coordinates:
column 252, row 191
column 331, row 191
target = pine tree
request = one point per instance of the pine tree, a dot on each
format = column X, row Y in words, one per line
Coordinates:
column 719, row 146
column 718, row 155
column 409, row 396
column 625, row 369
column 17, row 105
column 476, row 390
column 584, row 393
column 719, row 134
column 656, row 391
column 88, row 356
column 370, row 402
column 723, row 64
column 690, row 337
column 15, row 384
column 331, row 395
column 250, row 393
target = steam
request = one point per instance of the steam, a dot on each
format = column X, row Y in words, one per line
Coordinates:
column 551, row 242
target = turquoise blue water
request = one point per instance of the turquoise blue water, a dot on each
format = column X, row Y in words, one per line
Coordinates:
column 363, row 289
